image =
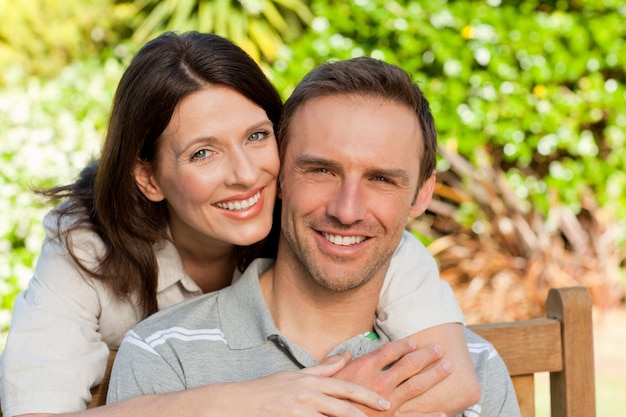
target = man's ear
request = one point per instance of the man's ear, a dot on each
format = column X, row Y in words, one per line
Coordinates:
column 424, row 196
column 146, row 182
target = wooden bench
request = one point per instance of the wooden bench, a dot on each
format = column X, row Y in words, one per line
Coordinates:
column 561, row 344
column 99, row 392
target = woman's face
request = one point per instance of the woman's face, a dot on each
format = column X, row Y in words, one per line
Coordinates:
column 216, row 169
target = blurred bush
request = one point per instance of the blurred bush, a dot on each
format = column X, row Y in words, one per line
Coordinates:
column 41, row 37
column 48, row 132
column 259, row 27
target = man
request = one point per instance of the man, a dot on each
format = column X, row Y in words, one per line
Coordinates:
column 358, row 151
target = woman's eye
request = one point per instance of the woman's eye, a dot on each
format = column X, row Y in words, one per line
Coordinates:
column 201, row 154
column 256, row 136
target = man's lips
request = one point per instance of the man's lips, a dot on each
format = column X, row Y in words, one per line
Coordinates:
column 344, row 240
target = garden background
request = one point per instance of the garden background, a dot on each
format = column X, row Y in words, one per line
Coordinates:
column 528, row 96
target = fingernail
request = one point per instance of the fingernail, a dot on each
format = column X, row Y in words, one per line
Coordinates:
column 447, row 365
column 438, row 349
column 384, row 404
column 412, row 344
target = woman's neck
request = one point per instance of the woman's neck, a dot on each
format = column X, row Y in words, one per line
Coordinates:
column 208, row 262
column 210, row 274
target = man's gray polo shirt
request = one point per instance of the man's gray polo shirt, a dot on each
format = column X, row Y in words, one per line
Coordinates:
column 219, row 337
column 230, row 336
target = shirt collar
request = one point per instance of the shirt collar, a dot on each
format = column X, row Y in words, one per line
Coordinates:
column 171, row 270
column 247, row 322
column 245, row 317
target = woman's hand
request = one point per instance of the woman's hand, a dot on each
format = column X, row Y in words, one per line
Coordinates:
column 309, row 392
column 399, row 372
column 335, row 388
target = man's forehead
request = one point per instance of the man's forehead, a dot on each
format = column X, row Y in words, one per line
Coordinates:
column 343, row 113
column 371, row 134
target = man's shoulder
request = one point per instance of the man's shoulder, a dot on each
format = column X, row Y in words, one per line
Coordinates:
column 487, row 361
column 192, row 313
column 473, row 337
column 498, row 395
column 479, row 347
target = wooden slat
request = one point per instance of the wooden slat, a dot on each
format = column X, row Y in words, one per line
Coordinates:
column 573, row 389
column 525, row 390
column 526, row 346
column 99, row 392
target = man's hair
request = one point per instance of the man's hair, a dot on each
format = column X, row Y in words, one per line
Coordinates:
column 367, row 77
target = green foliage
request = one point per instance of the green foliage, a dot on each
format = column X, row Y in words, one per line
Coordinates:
column 541, row 85
column 41, row 37
column 49, row 131
column 258, row 26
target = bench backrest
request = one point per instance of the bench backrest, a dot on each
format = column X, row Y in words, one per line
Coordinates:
column 561, row 344
column 99, row 392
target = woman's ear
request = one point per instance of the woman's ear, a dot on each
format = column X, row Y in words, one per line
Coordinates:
column 145, row 180
column 424, row 196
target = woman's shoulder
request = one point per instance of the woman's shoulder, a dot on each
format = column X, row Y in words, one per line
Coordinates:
column 64, row 216
column 412, row 250
column 67, row 224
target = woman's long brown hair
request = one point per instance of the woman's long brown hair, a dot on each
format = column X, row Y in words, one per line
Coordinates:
column 105, row 198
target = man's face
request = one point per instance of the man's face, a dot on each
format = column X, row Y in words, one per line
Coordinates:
column 349, row 180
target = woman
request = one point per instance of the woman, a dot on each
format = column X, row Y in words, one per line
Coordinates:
column 180, row 202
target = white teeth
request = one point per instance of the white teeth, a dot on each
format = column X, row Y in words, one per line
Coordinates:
column 344, row 240
column 240, row 205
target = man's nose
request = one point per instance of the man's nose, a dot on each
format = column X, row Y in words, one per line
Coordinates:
column 348, row 203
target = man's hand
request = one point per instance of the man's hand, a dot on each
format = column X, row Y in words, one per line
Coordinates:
column 398, row 372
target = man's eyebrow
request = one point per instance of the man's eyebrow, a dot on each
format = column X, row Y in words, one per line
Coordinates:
column 401, row 176
column 307, row 160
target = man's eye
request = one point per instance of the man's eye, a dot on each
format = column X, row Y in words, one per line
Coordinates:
column 385, row 180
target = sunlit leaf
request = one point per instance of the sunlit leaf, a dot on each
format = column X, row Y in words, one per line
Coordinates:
column 153, row 22
column 182, row 14
column 274, row 18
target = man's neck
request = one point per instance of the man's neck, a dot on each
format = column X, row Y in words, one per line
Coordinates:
column 316, row 318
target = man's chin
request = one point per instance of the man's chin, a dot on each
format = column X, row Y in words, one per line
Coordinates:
column 338, row 281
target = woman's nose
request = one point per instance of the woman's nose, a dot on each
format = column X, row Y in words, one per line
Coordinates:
column 243, row 170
